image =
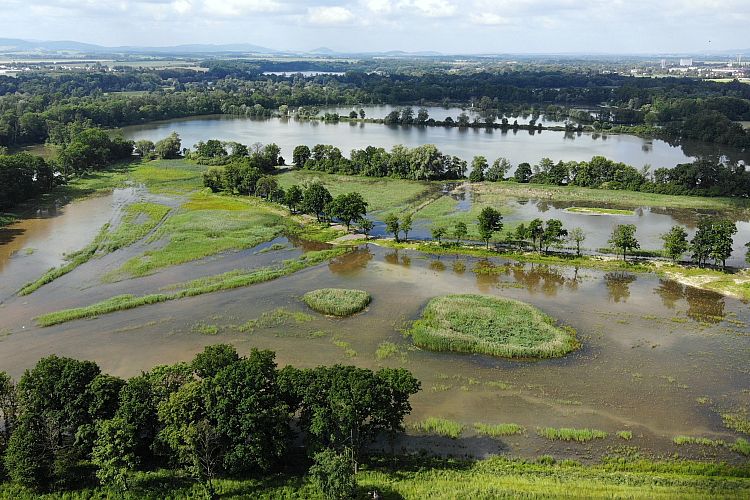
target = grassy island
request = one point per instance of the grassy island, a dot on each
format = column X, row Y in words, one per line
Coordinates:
column 337, row 301
column 599, row 211
column 490, row 325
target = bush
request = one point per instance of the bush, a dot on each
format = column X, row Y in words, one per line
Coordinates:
column 333, row 474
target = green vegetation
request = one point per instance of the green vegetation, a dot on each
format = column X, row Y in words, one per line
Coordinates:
column 737, row 422
column 440, row 426
column 6, row 219
column 386, row 350
column 742, row 446
column 626, row 435
column 680, row 440
column 599, row 211
column 272, row 319
column 206, row 225
column 226, row 281
column 490, row 325
column 337, row 301
column 498, row 430
column 568, row 434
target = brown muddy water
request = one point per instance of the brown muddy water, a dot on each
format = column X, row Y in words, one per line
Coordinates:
column 658, row 358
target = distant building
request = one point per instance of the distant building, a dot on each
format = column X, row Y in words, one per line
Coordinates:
column 686, row 62
column 663, row 64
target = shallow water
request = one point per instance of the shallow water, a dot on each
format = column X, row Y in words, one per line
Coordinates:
column 519, row 146
column 650, row 347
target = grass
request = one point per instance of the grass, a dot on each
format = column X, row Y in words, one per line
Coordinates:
column 440, row 426
column 680, row 440
column 741, row 446
column 737, row 422
column 599, row 211
column 624, row 199
column 275, row 318
column 169, row 176
column 337, row 301
column 381, row 194
column 206, row 225
column 569, row 434
column 419, row 477
column 138, row 220
column 498, row 430
column 226, row 281
column 733, row 284
column 6, row 219
column 490, row 325
column 386, row 350
column 626, row 435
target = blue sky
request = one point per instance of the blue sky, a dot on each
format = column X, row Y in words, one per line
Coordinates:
column 450, row 26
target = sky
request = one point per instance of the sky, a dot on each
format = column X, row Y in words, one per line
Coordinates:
column 448, row 26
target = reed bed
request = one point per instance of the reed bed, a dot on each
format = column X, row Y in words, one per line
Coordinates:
column 337, row 301
column 568, row 434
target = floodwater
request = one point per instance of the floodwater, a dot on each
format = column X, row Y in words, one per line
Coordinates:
column 519, row 146
column 651, row 348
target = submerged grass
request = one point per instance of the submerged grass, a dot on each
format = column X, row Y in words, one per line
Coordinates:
column 490, row 325
column 737, row 422
column 337, row 301
column 226, row 281
column 498, row 430
column 568, row 434
column 626, row 435
column 275, row 318
column 680, row 440
column 440, row 426
column 386, row 350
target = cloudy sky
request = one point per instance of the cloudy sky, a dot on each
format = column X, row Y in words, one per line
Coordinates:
column 450, row 26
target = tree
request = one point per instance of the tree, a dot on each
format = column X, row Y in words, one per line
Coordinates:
column 348, row 207
column 366, row 226
column 422, row 116
column 675, row 242
column 406, row 225
column 623, row 239
column 213, row 178
column 362, row 113
column 300, row 155
column 29, row 457
column 490, row 222
column 293, row 198
column 535, row 231
column 553, row 233
column 392, row 225
column 144, row 148
column 352, row 115
column 460, row 231
column 438, row 232
column 212, row 148
column 700, row 245
column 478, row 166
column 722, row 240
column 498, row 170
column 8, row 411
column 577, row 236
column 169, row 147
column 523, row 173
column 114, row 452
column 332, row 474
column 747, row 252
column 265, row 186
column 213, row 359
column 315, row 199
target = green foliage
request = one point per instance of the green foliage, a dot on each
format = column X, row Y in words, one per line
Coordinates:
column 490, row 222
column 623, row 239
column 333, row 475
column 599, row 211
column 392, row 225
column 490, row 325
column 440, row 426
column 114, row 452
column 208, row 363
column 737, row 422
column 626, row 435
column 498, row 430
column 347, row 208
column 568, row 434
column 675, row 243
column 315, row 200
column 29, row 457
column 337, row 301
column 680, row 440
column 742, row 446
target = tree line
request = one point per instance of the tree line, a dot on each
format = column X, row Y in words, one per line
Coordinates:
column 66, row 424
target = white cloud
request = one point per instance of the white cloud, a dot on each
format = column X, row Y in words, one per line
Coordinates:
column 490, row 19
column 239, row 7
column 329, row 16
column 378, row 6
column 431, row 8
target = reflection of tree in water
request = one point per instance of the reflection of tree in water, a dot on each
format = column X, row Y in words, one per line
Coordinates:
column 670, row 292
column 703, row 305
column 437, row 265
column 459, row 267
column 542, row 205
column 398, row 260
column 351, row 262
column 572, row 283
column 540, row 278
column 618, row 286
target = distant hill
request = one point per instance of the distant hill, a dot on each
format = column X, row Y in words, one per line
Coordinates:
column 14, row 45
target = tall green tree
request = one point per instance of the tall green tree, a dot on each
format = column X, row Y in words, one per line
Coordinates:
column 722, row 233
column 577, row 235
column 348, row 208
column 293, row 198
column 315, row 200
column 114, row 452
column 406, row 223
column 300, row 155
column 392, row 225
column 460, row 231
column 553, row 234
column 675, row 242
column 332, row 474
column 498, row 170
column 623, row 239
column 438, row 232
column 478, row 166
column 490, row 222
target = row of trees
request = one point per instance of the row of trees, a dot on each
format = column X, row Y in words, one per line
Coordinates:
column 220, row 415
column 23, row 176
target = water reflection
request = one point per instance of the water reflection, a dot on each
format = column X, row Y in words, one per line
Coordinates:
column 437, row 265
column 396, row 259
column 618, row 286
column 351, row 263
column 702, row 305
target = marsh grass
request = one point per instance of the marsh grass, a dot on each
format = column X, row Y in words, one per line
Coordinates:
column 490, row 325
column 741, row 446
column 599, row 211
column 386, row 350
column 205, row 328
column 226, row 281
column 346, row 346
column 440, row 426
column 625, row 435
column 568, row 434
column 275, row 318
column 499, row 430
column 337, row 301
column 737, row 422
column 680, row 440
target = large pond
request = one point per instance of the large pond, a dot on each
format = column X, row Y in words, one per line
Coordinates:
column 519, row 146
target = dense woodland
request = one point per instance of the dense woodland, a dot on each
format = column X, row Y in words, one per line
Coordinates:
column 65, row 424
column 39, row 106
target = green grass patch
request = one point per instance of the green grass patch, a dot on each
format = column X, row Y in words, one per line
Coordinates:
column 205, row 328
column 680, row 440
column 226, row 281
column 568, row 434
column 737, row 422
column 490, row 325
column 625, row 435
column 169, row 176
column 440, row 426
column 386, row 350
column 337, row 301
column 6, row 219
column 599, row 211
column 272, row 319
column 742, row 446
column 498, row 430
column 206, row 225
